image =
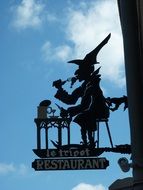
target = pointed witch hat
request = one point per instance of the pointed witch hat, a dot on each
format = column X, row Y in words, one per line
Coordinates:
column 91, row 58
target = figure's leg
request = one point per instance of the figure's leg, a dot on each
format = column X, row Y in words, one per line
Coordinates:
column 90, row 137
column 80, row 120
column 83, row 135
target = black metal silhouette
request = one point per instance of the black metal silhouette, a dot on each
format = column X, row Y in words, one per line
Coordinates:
column 93, row 109
column 86, row 114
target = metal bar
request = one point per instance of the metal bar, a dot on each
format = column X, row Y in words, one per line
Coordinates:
column 38, row 137
column 109, row 134
column 68, row 131
column 60, row 134
column 97, row 134
column 46, row 137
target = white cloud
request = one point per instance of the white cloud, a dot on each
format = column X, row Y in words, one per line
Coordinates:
column 28, row 14
column 61, row 53
column 83, row 186
column 6, row 168
column 21, row 169
column 88, row 26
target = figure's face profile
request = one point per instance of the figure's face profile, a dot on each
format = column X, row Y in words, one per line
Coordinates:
column 83, row 73
column 81, row 76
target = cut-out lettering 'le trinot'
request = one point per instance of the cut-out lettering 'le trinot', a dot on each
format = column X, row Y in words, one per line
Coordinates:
column 93, row 109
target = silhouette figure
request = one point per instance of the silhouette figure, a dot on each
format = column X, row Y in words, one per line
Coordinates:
column 86, row 68
column 93, row 104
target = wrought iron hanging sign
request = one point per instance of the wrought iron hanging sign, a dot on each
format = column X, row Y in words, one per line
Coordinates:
column 93, row 110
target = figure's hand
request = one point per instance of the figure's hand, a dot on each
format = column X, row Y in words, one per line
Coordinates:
column 58, row 84
column 64, row 113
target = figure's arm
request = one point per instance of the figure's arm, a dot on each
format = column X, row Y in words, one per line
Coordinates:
column 118, row 102
column 85, row 102
column 69, row 99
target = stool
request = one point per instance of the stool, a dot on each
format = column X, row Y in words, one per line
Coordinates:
column 108, row 131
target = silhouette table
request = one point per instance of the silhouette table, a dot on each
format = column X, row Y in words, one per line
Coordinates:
column 50, row 122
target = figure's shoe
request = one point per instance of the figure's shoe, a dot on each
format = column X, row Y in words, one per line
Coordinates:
column 84, row 143
column 92, row 144
column 95, row 142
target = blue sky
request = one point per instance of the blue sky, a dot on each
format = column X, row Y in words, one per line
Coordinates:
column 38, row 37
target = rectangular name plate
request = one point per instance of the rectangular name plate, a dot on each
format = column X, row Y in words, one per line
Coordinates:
column 65, row 153
column 70, row 164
